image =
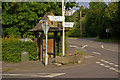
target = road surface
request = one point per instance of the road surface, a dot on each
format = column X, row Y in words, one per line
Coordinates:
column 101, row 61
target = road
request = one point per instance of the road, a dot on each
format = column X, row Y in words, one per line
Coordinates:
column 101, row 61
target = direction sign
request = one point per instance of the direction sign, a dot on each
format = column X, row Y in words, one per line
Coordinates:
column 69, row 24
column 45, row 28
column 55, row 18
column 107, row 30
column 69, row 12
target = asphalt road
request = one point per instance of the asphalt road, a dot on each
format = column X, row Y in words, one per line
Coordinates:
column 101, row 61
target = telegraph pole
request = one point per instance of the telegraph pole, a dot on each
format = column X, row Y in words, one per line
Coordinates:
column 80, row 23
column 63, row 10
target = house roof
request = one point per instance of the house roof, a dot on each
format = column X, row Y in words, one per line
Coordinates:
column 39, row 28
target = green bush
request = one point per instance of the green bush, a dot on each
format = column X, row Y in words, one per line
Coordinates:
column 73, row 33
column 12, row 48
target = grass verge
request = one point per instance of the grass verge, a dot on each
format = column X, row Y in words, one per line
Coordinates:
column 107, row 40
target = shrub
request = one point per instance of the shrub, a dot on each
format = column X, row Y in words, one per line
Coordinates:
column 12, row 48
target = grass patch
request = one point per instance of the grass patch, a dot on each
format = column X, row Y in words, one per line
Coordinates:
column 9, row 69
column 107, row 40
column 81, row 37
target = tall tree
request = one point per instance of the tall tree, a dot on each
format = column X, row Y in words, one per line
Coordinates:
column 22, row 16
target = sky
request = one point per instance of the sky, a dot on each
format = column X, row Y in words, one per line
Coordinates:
column 85, row 4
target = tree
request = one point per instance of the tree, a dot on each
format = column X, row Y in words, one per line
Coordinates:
column 112, row 19
column 95, row 19
column 23, row 16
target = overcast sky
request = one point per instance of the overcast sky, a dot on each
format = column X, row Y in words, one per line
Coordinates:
column 85, row 4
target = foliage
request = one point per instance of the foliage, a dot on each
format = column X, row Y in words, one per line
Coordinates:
column 23, row 16
column 79, row 52
column 73, row 33
column 12, row 48
column 58, row 48
column 112, row 19
column 96, row 19
column 108, row 40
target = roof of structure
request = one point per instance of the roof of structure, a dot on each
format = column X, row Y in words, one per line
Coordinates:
column 38, row 27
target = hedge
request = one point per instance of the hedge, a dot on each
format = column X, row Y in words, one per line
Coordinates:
column 12, row 48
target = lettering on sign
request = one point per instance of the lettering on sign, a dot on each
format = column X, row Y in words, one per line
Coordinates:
column 69, row 12
column 69, row 24
column 55, row 18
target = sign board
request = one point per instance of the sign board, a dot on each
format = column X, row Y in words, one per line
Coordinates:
column 107, row 30
column 55, row 18
column 69, row 24
column 69, row 12
column 45, row 28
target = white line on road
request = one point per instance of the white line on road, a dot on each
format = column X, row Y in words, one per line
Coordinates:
column 112, row 68
column 84, row 46
column 53, row 75
column 73, row 46
column 102, row 46
column 97, row 62
column 89, row 56
column 106, row 66
column 102, row 64
column 110, row 50
column 96, row 53
column 109, row 63
column 105, row 48
column 36, row 74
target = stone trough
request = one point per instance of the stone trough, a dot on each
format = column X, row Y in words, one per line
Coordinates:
column 69, row 59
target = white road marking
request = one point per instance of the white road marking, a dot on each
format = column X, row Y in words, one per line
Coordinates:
column 102, row 64
column 97, row 62
column 53, row 75
column 96, row 53
column 36, row 74
column 109, row 63
column 105, row 49
column 73, row 46
column 110, row 50
column 102, row 46
column 117, row 70
column 112, row 68
column 116, row 65
column 84, row 46
column 106, row 66
column 102, row 60
column 89, row 56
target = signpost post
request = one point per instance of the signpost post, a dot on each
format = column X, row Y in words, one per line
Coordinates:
column 64, row 24
column 45, row 29
column 63, row 10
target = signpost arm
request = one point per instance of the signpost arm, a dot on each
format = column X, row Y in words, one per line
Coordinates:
column 63, row 25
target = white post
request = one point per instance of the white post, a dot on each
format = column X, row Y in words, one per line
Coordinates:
column 63, row 10
column 46, row 56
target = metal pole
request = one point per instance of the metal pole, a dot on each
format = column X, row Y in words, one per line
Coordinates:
column 46, row 56
column 63, row 26
column 80, row 23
